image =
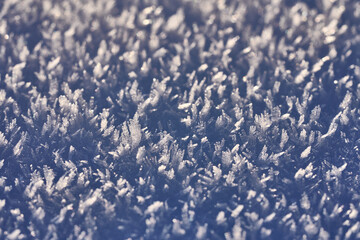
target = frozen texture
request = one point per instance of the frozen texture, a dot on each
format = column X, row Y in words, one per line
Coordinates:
column 176, row 119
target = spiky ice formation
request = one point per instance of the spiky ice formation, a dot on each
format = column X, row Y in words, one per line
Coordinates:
column 162, row 119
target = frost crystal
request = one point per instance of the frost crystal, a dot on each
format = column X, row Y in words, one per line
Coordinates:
column 160, row 119
column 306, row 152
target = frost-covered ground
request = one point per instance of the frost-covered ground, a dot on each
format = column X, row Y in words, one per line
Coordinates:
column 169, row 119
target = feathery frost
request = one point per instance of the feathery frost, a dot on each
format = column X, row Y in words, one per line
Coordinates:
column 179, row 119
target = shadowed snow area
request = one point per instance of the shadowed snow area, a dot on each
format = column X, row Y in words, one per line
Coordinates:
column 178, row 119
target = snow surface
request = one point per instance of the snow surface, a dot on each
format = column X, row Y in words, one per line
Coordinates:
column 179, row 119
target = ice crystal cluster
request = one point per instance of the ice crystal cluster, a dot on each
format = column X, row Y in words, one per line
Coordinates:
column 178, row 119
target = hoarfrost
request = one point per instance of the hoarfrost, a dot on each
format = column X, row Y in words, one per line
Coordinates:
column 226, row 158
column 39, row 214
column 153, row 208
column 346, row 101
column 184, row 106
column 3, row 141
column 201, row 232
column 17, row 73
column 92, row 198
column 49, row 177
column 284, row 138
column 270, row 217
column 235, row 213
column 239, row 101
column 317, row 66
column 53, row 63
column 352, row 230
column 306, row 152
column 301, row 76
column 14, row 235
column 315, row 114
column 176, row 228
column 19, row 146
column 219, row 77
column 238, row 232
column 61, row 217
column 333, row 127
column 265, row 232
column 175, row 21
column 231, row 42
column 140, row 155
column 303, row 135
column 98, row 71
column 299, row 174
column 220, row 219
column 65, row 180
column 304, row 202
column 135, row 131
column 311, row 229
column 263, row 121
column 336, row 171
column 323, row 235
column 263, row 154
column 217, row 173
column 2, row 204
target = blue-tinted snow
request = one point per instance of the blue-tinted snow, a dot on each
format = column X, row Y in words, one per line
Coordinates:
column 159, row 119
